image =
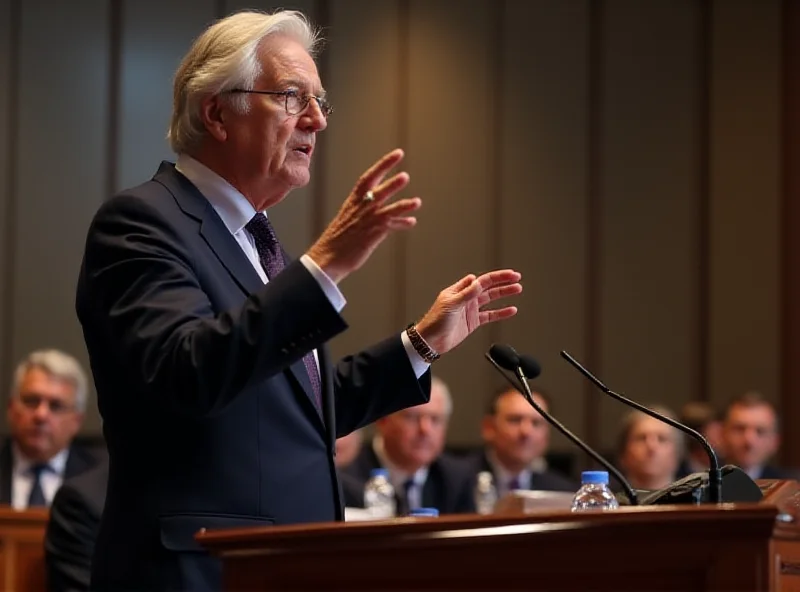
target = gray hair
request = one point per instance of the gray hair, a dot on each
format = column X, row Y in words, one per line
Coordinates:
column 224, row 57
column 448, row 399
column 58, row 364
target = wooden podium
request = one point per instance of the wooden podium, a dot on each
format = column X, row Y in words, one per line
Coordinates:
column 687, row 548
column 22, row 567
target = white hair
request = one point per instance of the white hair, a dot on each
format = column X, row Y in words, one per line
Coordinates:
column 59, row 365
column 437, row 382
column 224, row 57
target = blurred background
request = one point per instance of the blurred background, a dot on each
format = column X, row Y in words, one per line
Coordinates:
column 634, row 159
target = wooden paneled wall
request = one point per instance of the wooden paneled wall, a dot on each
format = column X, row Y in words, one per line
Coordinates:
column 626, row 156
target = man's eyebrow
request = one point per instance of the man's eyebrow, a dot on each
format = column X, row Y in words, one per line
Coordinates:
column 301, row 85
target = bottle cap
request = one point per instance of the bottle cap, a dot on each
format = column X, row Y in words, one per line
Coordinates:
column 485, row 477
column 430, row 512
column 379, row 473
column 599, row 477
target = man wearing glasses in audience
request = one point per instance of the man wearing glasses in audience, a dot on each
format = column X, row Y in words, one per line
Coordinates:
column 45, row 412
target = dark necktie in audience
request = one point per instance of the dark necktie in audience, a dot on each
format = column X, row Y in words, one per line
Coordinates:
column 36, row 498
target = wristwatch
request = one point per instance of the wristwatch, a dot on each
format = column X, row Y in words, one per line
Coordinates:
column 420, row 345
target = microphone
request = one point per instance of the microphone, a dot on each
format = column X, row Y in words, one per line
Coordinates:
column 504, row 357
column 714, row 472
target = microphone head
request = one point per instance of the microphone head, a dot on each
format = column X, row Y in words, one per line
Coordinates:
column 505, row 356
column 530, row 367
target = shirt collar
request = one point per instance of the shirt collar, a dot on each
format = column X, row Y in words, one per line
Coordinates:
column 22, row 464
column 229, row 203
column 397, row 476
column 504, row 476
column 755, row 471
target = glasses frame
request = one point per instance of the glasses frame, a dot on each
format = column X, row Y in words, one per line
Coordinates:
column 323, row 103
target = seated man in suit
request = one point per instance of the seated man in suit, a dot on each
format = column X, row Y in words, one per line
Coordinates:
column 649, row 450
column 410, row 443
column 516, row 438
column 45, row 412
column 751, row 436
column 703, row 418
column 72, row 530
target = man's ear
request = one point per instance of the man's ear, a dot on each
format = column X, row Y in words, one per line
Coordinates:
column 213, row 113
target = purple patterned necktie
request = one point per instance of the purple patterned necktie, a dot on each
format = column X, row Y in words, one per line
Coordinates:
column 514, row 484
column 271, row 256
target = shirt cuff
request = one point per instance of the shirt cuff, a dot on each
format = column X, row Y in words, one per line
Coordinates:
column 419, row 365
column 328, row 286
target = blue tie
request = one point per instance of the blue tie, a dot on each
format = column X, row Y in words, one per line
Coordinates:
column 271, row 257
column 408, row 485
column 36, row 498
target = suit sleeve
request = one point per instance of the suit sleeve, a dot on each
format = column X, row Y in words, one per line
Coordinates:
column 142, row 295
column 69, row 541
column 375, row 383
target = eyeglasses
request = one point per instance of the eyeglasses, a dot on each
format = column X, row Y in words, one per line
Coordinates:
column 294, row 102
column 33, row 402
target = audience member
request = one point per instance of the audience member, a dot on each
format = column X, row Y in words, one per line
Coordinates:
column 750, row 434
column 516, row 438
column 703, row 418
column 45, row 412
column 649, row 449
column 410, row 445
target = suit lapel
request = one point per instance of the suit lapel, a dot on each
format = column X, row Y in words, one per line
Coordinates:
column 229, row 253
column 212, row 228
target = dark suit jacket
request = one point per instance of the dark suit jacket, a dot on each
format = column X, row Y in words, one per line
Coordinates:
column 79, row 460
column 448, row 487
column 547, row 481
column 207, row 406
column 773, row 472
column 72, row 530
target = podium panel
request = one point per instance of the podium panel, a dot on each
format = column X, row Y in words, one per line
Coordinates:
column 22, row 567
column 722, row 548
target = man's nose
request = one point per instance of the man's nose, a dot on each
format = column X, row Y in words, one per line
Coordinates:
column 42, row 410
column 313, row 117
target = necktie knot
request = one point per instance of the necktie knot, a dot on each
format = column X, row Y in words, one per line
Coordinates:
column 514, row 484
column 39, row 469
column 261, row 229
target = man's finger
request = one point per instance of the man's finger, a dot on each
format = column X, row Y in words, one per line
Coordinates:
column 500, row 276
column 378, row 171
column 499, row 292
column 388, row 188
column 490, row 316
column 400, row 207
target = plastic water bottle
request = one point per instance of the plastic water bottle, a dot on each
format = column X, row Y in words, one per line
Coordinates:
column 424, row 512
column 379, row 495
column 594, row 493
column 485, row 493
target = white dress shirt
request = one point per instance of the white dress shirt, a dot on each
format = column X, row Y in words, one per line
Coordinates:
column 22, row 477
column 398, row 477
column 235, row 212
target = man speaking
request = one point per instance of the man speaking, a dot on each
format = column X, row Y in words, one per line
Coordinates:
column 220, row 404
